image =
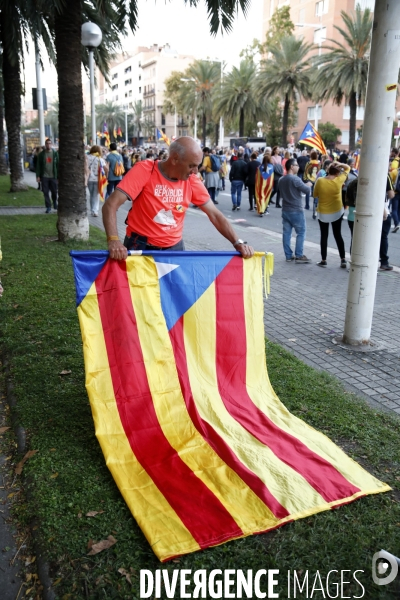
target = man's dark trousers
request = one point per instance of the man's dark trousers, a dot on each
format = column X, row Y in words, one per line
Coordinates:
column 49, row 185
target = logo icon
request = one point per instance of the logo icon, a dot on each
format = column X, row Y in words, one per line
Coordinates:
column 381, row 561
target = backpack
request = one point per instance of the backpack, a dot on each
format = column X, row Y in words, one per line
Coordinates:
column 215, row 163
column 397, row 183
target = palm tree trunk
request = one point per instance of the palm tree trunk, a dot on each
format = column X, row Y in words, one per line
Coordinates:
column 72, row 212
column 12, row 109
column 285, row 121
column 352, row 122
column 204, row 128
column 3, row 162
column 241, row 123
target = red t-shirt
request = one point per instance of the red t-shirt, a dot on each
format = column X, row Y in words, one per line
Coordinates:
column 159, row 204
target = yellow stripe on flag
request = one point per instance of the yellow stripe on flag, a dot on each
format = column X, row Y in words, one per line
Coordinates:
column 262, row 394
column 237, row 498
column 162, row 527
column 199, row 327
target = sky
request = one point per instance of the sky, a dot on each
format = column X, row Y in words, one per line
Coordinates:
column 185, row 28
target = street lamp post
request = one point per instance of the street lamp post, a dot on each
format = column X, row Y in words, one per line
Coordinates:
column 259, row 132
column 91, row 38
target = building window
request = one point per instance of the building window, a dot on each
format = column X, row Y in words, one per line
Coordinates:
column 320, row 35
column 162, row 119
column 311, row 113
column 130, row 92
column 321, row 8
column 114, row 87
column 140, row 90
column 116, row 97
column 128, row 69
column 126, row 94
column 345, row 138
column 114, row 76
column 365, row 4
column 128, row 81
column 359, row 113
column 140, row 77
column 163, row 129
column 302, row 16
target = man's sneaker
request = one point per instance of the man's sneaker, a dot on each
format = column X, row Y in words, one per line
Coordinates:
column 238, row 208
column 290, row 259
column 55, row 206
column 396, row 228
column 48, row 210
column 322, row 263
column 343, row 263
column 386, row 268
column 215, row 201
column 301, row 260
column 234, row 207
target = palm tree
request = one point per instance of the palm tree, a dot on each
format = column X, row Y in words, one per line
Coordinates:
column 3, row 163
column 237, row 96
column 197, row 93
column 110, row 113
column 286, row 74
column 343, row 70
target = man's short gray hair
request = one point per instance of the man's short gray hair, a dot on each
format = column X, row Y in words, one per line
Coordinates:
column 177, row 148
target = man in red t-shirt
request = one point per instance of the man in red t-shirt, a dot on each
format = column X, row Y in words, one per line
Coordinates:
column 161, row 193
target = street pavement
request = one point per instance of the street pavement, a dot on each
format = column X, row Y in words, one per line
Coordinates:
column 306, row 308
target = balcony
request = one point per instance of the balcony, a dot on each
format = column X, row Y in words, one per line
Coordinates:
column 150, row 92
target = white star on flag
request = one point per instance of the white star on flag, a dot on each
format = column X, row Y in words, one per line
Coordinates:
column 309, row 133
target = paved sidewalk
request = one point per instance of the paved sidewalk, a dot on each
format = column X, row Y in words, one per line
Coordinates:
column 306, row 308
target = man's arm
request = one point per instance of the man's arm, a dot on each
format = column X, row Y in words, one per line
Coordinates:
column 225, row 228
column 115, row 247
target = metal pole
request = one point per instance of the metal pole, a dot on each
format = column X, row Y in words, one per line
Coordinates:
column 126, row 127
column 39, row 93
column 92, row 104
column 377, row 134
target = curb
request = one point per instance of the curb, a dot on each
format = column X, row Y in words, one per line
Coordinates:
column 42, row 564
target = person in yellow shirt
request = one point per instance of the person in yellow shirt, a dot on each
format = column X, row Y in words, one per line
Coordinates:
column 394, row 164
column 330, row 209
column 211, row 178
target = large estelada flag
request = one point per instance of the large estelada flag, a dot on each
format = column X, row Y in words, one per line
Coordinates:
column 162, row 136
column 195, row 437
column 311, row 137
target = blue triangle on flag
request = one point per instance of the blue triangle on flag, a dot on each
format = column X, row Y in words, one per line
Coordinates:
column 87, row 265
column 189, row 278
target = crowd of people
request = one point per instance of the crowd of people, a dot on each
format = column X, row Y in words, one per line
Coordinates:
column 288, row 178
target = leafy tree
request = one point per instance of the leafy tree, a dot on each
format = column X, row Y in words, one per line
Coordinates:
column 280, row 26
column 329, row 133
column 286, row 75
column 251, row 50
column 237, row 95
column 343, row 69
column 136, row 117
column 110, row 113
column 52, row 118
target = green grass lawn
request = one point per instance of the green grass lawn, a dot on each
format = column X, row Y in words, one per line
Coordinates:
column 31, row 197
column 40, row 335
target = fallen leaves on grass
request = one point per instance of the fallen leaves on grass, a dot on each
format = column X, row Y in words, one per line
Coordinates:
column 102, row 545
column 20, row 465
column 3, row 429
column 125, row 573
column 65, row 372
column 93, row 513
column 54, row 476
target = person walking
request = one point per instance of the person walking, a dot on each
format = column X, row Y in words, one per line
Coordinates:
column 210, row 170
column 253, row 166
column 95, row 164
column 264, row 185
column 237, row 177
column 116, row 168
column 47, row 174
column 291, row 188
column 330, row 209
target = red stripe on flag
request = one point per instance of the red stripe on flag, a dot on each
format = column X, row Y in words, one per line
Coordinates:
column 209, row 433
column 201, row 512
column 231, row 372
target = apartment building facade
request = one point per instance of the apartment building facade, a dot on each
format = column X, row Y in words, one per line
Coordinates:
column 315, row 22
column 140, row 75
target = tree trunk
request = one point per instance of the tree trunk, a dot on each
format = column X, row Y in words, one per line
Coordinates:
column 216, row 133
column 12, row 109
column 285, row 121
column 3, row 162
column 204, row 128
column 72, row 221
column 352, row 122
column 241, row 123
